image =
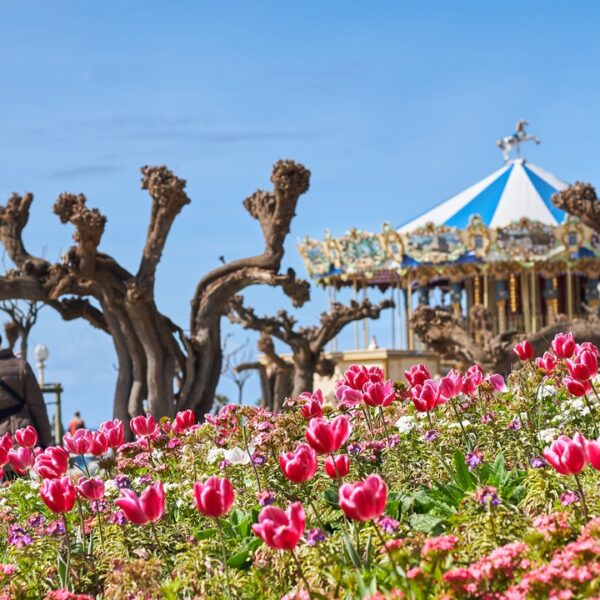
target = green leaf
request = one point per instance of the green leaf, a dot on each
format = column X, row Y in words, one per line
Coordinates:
column 330, row 496
column 462, row 476
column 352, row 554
column 204, row 534
column 426, row 523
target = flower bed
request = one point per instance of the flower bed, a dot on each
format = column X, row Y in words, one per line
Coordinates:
column 463, row 487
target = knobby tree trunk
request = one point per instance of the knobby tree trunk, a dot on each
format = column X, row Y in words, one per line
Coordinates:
column 159, row 364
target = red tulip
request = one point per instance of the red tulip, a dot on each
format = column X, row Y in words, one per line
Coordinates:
column 280, row 529
column 3, row 456
column 586, row 346
column 348, row 396
column 6, row 441
column 114, row 432
column 379, row 393
column 417, row 374
column 356, row 376
column 546, row 362
column 99, row 444
column 184, row 420
column 364, row 500
column 451, row 385
column 143, row 425
column 58, row 494
column 592, row 452
column 149, row 507
column 300, row 465
column 92, row 489
column 577, row 388
column 328, row 436
column 425, row 397
column 583, row 366
column 563, row 345
column 313, row 404
column 337, row 466
column 52, row 463
column 215, row 497
column 524, row 350
column 26, row 437
column 567, row 455
column 21, row 460
column 79, row 442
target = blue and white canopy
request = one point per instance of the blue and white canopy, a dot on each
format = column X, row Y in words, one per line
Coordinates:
column 519, row 189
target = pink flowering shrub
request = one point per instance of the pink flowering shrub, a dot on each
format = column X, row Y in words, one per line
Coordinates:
column 472, row 485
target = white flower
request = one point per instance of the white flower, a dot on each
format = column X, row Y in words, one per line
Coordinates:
column 546, row 391
column 214, row 454
column 454, row 425
column 405, row 424
column 237, row 456
column 548, row 435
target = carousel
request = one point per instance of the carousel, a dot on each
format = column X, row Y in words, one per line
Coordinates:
column 501, row 243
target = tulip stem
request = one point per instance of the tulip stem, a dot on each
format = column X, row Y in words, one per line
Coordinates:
column 155, row 532
column 301, row 573
column 314, row 508
column 466, row 438
column 583, row 502
column 387, row 433
column 68, row 541
column 224, row 550
column 82, row 523
column 100, row 528
column 589, row 405
column 368, row 420
column 247, row 448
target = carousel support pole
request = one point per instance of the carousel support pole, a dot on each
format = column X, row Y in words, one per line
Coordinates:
column 526, row 303
column 486, row 291
column 569, row 293
column 534, row 302
column 399, row 307
column 355, row 322
column 393, row 316
column 410, row 336
column 365, row 322
column 501, row 297
column 334, row 341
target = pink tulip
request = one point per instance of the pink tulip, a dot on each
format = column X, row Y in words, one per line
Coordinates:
column 379, row 393
column 577, row 388
column 567, row 455
column 149, row 507
column 328, row 436
column 356, row 376
column 52, row 463
column 280, row 529
column 3, row 456
column 79, row 442
column 143, row 425
column 337, row 466
column 92, row 489
column 365, row 500
column 586, row 346
column 583, row 366
column 26, row 437
column 300, row 465
column 184, row 420
column 592, row 452
column 6, row 441
column 563, row 345
column 348, row 396
column 114, row 432
column 546, row 362
column 417, row 374
column 524, row 350
column 58, row 494
column 215, row 497
column 21, row 460
column 99, row 444
column 497, row 382
column 313, row 404
column 425, row 397
column 450, row 386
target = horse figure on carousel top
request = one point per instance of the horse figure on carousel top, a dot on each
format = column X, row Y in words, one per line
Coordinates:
column 506, row 144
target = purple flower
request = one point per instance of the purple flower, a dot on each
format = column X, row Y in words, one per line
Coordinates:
column 122, row 482
column 487, row 494
column 18, row 537
column 488, row 418
column 224, row 464
column 387, row 524
column 537, row 462
column 394, row 440
column 146, row 479
column 118, row 518
column 474, row 459
column 174, row 443
column 259, row 459
column 264, row 426
column 569, row 498
column 99, row 506
column 36, row 520
column 515, row 425
column 354, row 448
column 314, row 536
column 56, row 528
column 266, row 497
column 430, row 435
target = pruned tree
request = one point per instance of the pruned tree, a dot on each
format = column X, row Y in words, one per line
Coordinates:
column 158, row 361
column 232, row 359
column 23, row 316
column 580, row 200
column 306, row 343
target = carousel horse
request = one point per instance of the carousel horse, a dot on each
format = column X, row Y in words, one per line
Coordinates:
column 507, row 143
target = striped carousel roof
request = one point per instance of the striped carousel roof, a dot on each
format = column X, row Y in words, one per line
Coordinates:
column 519, row 189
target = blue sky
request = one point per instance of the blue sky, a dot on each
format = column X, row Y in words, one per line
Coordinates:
column 392, row 106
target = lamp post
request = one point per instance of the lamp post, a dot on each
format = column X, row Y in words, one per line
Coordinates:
column 41, row 354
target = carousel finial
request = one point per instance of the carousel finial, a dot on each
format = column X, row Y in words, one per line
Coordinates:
column 507, row 143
